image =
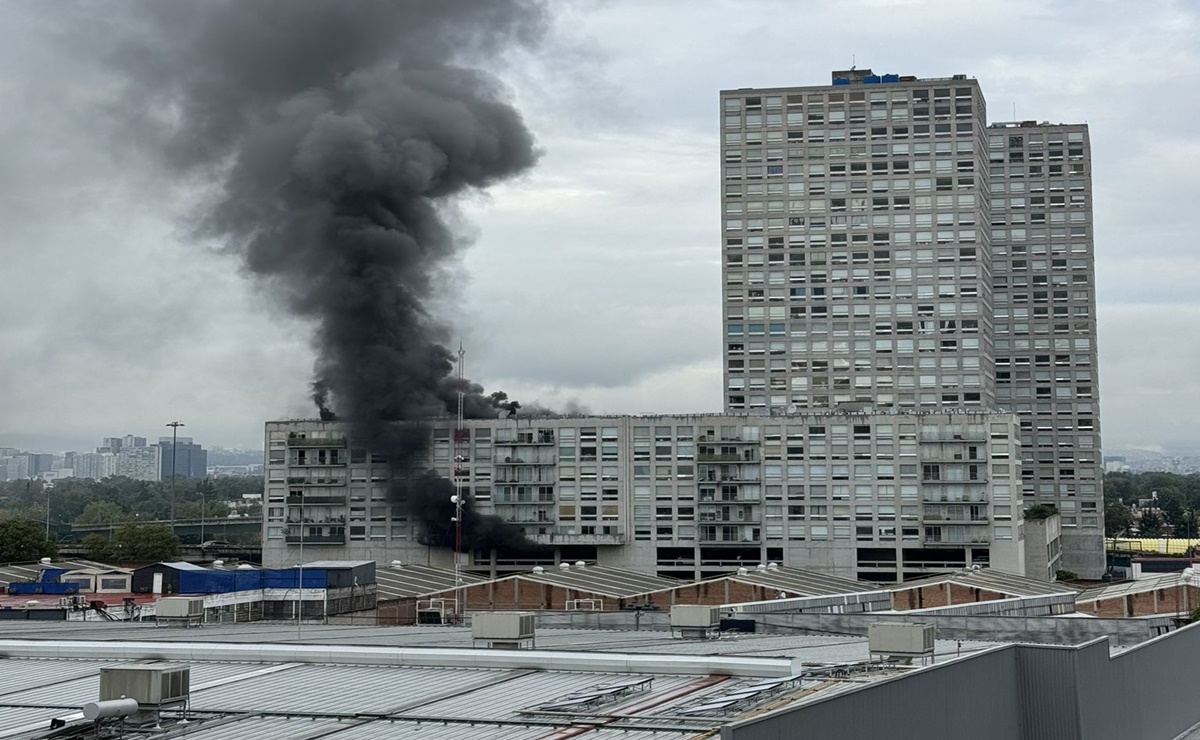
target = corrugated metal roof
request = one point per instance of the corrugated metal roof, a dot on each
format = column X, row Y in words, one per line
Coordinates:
column 1136, row 586
column 414, row 581
column 602, row 580
column 988, row 579
column 337, row 564
column 797, row 582
column 30, row 571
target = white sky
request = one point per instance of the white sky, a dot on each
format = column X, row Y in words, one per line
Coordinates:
column 594, row 279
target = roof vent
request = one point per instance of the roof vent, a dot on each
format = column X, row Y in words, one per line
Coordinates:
column 761, row 568
column 742, row 571
column 245, row 566
column 218, row 563
column 580, row 564
column 772, row 566
column 564, row 566
column 538, row 570
column 45, row 561
column 396, row 564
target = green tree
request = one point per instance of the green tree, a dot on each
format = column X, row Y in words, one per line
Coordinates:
column 22, row 541
column 101, row 512
column 1040, row 511
column 1118, row 519
column 99, row 547
column 145, row 542
column 1150, row 524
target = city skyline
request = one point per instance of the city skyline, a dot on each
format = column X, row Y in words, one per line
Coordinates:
column 627, row 172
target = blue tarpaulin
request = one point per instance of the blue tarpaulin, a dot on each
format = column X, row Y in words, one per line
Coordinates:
column 51, row 575
column 43, row 588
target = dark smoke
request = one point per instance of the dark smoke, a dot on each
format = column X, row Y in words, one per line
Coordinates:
column 339, row 133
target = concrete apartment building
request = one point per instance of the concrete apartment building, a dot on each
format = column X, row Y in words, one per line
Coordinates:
column 1044, row 278
column 879, row 496
column 885, row 248
column 909, row 361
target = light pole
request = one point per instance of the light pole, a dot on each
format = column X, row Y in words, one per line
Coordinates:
column 202, row 516
column 47, row 512
column 174, row 439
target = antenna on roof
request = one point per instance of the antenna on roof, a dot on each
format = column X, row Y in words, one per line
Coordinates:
column 853, row 62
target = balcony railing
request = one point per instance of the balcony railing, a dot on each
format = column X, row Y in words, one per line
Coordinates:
column 562, row 538
column 315, row 539
column 294, row 441
column 306, row 500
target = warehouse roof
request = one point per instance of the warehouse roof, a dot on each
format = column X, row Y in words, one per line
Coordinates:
column 412, row 581
column 601, row 580
column 797, row 582
column 30, row 571
column 1139, row 585
column 631, row 685
column 988, row 580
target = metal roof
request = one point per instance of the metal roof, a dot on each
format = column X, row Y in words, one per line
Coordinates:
column 1174, row 579
column 337, row 564
column 270, row 698
column 988, row 580
column 30, row 571
column 414, row 581
column 797, row 582
column 602, row 580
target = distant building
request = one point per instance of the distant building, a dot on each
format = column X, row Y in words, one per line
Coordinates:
column 29, row 465
column 183, row 458
column 140, row 463
column 94, row 465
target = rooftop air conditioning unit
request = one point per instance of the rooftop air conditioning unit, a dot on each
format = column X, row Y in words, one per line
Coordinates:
column 694, row 621
column 148, row 685
column 901, row 639
column 184, row 610
column 505, row 630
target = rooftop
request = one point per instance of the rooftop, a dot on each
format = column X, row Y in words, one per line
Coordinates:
column 273, row 681
column 410, row 581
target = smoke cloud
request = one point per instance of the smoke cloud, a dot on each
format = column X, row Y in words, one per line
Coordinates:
column 339, row 134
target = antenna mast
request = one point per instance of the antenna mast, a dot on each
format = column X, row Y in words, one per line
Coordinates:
column 458, row 478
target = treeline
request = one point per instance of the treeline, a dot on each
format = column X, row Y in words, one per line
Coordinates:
column 119, row 500
column 1152, row 504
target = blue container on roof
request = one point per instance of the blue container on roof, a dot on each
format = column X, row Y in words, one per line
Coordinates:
column 841, row 80
column 870, row 79
column 287, row 577
column 51, row 575
column 891, row 78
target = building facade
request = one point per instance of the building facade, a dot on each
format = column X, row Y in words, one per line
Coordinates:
column 1044, row 279
column 182, row 458
column 868, row 230
column 880, row 496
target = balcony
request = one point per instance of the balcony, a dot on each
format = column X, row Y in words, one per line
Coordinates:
column 316, row 539
column 307, row 500
column 303, row 481
column 298, row 441
column 732, row 457
column 562, row 538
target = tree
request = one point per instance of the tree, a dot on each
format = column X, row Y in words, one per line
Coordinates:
column 1040, row 511
column 145, row 542
column 99, row 547
column 101, row 512
column 1150, row 523
column 23, row 541
column 1118, row 519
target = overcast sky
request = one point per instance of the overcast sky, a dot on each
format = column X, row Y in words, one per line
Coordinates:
column 595, row 279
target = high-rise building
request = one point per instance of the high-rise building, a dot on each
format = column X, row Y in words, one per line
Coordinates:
column 864, row 225
column 1043, row 273
column 189, row 460
column 139, row 462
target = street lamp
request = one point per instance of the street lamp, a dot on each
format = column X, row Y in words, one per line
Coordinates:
column 174, row 439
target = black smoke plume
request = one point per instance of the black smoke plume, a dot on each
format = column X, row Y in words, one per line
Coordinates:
column 339, row 134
